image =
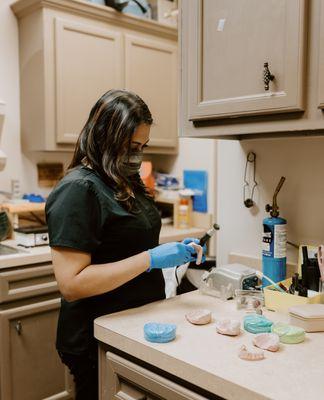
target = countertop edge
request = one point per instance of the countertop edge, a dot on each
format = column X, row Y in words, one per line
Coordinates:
column 190, row 373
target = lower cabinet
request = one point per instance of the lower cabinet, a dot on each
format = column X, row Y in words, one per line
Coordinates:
column 30, row 368
column 121, row 379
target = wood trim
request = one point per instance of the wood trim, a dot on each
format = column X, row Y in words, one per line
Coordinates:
column 95, row 11
column 260, row 104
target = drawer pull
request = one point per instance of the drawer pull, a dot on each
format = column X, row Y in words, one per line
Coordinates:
column 18, row 327
column 267, row 76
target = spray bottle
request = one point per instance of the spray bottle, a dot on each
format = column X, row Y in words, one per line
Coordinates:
column 274, row 241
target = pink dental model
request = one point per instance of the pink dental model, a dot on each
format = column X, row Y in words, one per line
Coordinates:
column 245, row 354
column 199, row 317
column 267, row 341
column 230, row 327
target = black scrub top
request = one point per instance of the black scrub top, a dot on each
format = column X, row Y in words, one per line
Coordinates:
column 83, row 214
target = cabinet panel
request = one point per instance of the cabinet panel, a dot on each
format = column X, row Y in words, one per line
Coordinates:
column 89, row 61
column 27, row 282
column 128, row 381
column 30, row 367
column 151, row 72
column 229, row 42
column 321, row 60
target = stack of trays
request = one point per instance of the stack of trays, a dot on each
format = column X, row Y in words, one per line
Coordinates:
column 310, row 317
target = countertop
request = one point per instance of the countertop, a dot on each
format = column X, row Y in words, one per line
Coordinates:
column 209, row 360
column 43, row 253
column 25, row 256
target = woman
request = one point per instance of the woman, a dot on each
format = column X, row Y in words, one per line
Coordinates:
column 104, row 232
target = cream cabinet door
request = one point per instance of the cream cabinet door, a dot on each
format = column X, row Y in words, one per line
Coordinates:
column 89, row 62
column 229, row 43
column 151, row 72
column 29, row 365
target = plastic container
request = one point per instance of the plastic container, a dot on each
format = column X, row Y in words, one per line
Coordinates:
column 184, row 213
column 278, row 301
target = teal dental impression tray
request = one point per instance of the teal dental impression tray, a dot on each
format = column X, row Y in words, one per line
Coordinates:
column 255, row 323
column 159, row 333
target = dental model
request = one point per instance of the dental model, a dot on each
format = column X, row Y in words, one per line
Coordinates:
column 230, row 327
column 159, row 333
column 199, row 317
column 199, row 251
column 267, row 341
column 246, row 354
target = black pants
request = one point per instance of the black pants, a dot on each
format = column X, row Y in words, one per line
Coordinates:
column 84, row 369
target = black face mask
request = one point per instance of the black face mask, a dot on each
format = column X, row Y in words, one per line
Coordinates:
column 133, row 164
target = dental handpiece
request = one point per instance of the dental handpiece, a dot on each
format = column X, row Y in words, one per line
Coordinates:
column 208, row 234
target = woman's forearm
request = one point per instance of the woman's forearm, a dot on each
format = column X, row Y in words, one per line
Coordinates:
column 77, row 281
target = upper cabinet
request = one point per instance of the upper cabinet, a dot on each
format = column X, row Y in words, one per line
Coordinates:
column 246, row 57
column 251, row 67
column 71, row 52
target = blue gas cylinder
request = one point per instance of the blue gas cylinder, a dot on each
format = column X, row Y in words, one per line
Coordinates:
column 274, row 243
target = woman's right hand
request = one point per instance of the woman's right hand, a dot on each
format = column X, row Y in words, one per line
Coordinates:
column 170, row 255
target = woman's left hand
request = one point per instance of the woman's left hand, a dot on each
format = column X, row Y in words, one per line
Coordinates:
column 196, row 240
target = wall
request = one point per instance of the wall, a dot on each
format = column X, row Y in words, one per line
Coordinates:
column 301, row 199
column 19, row 166
column 196, row 154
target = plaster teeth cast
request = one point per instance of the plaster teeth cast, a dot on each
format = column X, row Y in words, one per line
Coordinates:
column 230, row 327
column 249, row 355
column 199, row 317
column 267, row 341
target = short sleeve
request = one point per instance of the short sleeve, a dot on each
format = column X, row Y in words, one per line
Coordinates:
column 73, row 215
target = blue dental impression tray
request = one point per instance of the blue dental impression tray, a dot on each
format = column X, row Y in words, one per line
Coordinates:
column 159, row 333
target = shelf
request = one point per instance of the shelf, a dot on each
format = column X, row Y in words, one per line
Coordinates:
column 23, row 207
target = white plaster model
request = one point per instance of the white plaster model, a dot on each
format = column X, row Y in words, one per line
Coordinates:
column 199, row 251
column 267, row 341
column 249, row 355
column 231, row 327
column 199, row 317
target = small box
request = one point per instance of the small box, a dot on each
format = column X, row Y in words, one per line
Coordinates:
column 278, row 301
column 310, row 317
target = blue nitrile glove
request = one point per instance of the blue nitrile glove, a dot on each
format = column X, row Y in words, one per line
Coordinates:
column 195, row 240
column 170, row 255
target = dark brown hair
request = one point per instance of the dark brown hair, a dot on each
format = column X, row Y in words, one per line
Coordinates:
column 105, row 140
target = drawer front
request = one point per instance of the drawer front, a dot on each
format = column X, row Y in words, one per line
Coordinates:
column 128, row 381
column 27, row 282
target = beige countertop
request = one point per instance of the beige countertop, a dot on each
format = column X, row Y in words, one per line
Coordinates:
column 209, row 360
column 43, row 253
column 25, row 256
